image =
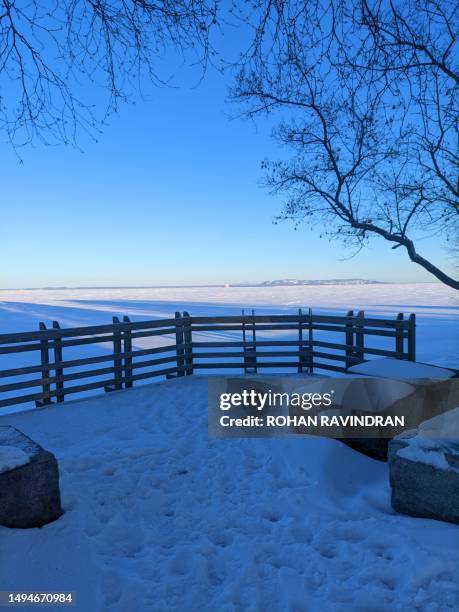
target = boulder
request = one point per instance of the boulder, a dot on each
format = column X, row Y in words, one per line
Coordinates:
column 424, row 469
column 29, row 482
column 376, row 448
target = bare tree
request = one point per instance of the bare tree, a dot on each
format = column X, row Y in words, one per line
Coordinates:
column 51, row 49
column 367, row 94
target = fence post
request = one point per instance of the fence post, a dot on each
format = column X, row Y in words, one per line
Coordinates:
column 127, row 348
column 249, row 349
column 310, row 342
column 412, row 338
column 44, row 357
column 360, row 337
column 300, row 342
column 244, row 345
column 304, row 346
column 254, row 345
column 179, row 344
column 399, row 337
column 58, row 370
column 117, row 361
column 187, row 339
column 349, row 340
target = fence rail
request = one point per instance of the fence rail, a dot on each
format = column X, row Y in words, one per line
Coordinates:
column 304, row 342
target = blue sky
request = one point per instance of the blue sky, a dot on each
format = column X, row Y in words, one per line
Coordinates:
column 169, row 195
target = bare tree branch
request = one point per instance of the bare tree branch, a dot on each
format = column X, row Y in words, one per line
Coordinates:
column 50, row 48
column 368, row 95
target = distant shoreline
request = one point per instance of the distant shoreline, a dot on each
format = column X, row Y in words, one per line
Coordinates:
column 264, row 284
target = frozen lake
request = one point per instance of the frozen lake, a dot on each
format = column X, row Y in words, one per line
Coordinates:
column 436, row 307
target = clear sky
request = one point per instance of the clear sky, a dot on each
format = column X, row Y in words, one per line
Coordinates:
column 169, row 195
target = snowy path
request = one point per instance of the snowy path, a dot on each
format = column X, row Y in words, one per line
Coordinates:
column 159, row 517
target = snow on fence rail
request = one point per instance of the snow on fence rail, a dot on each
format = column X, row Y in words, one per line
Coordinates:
column 137, row 351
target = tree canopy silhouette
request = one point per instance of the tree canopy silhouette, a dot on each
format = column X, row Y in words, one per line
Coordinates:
column 50, row 50
column 367, row 94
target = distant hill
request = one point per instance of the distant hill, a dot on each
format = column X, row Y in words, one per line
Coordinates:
column 294, row 282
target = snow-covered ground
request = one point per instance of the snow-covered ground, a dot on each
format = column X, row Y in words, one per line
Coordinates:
column 160, row 517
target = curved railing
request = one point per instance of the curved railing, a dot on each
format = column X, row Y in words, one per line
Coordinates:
column 51, row 364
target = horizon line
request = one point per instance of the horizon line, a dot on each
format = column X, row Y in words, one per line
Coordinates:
column 239, row 285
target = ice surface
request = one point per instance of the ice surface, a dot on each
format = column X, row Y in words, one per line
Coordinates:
column 160, row 517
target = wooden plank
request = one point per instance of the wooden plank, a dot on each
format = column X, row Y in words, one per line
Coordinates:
column 360, row 337
column 179, row 349
column 52, row 334
column 44, row 356
column 412, row 338
column 252, row 354
column 240, row 354
column 369, row 350
column 301, row 346
column 127, row 350
column 23, row 348
column 188, row 341
column 168, row 372
column 335, row 357
column 349, row 339
column 240, row 327
column 269, row 364
column 399, row 337
column 310, row 341
column 249, row 346
column 71, row 363
column 117, row 383
column 69, row 332
column 228, row 319
column 152, row 362
column 294, row 319
column 327, row 366
column 334, row 328
column 367, row 321
column 170, row 325
column 57, row 347
column 22, row 399
column 50, row 380
column 167, row 331
column 239, row 343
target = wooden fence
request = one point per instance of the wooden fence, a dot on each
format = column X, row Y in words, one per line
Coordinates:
column 249, row 343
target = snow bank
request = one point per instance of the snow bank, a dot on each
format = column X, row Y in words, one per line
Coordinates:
column 159, row 517
column 12, row 457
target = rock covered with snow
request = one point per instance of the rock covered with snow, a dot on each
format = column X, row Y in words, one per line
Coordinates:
column 398, row 368
column 424, row 469
column 29, row 482
column 12, row 457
